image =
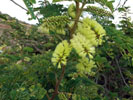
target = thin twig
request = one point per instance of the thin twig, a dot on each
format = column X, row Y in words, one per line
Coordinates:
column 47, row 96
column 118, row 5
column 78, row 13
column 124, row 3
column 23, row 8
column 18, row 5
column 121, row 73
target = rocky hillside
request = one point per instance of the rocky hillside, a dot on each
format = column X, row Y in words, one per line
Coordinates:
column 6, row 23
column 18, row 34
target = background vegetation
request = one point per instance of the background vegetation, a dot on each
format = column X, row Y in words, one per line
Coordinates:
column 28, row 73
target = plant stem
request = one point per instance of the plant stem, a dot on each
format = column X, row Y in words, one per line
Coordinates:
column 78, row 14
column 58, row 83
column 47, row 96
column 118, row 5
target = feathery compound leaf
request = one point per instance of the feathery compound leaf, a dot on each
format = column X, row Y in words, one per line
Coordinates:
column 60, row 54
column 107, row 3
column 98, row 11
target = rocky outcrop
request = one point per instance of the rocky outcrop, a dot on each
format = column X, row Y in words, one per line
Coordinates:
column 17, row 34
column 12, row 30
column 4, row 26
column 6, row 20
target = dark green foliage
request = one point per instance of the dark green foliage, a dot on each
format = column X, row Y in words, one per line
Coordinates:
column 114, row 59
column 52, row 10
column 29, row 5
column 27, row 73
column 47, row 9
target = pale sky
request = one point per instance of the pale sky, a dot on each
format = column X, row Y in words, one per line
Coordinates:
column 7, row 7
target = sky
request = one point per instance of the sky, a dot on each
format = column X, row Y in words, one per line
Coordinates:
column 7, row 7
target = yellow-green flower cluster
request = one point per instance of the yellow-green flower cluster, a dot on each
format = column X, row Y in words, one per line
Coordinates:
column 82, row 46
column 60, row 54
column 98, row 11
column 85, row 66
column 88, row 33
column 92, row 30
column 86, row 38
